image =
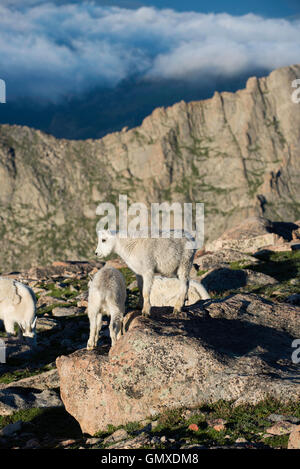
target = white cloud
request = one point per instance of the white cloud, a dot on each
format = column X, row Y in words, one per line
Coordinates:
column 49, row 51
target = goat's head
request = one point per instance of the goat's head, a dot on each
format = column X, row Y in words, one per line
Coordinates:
column 106, row 243
column 29, row 330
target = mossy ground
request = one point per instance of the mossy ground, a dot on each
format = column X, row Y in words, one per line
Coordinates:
column 282, row 266
column 249, row 422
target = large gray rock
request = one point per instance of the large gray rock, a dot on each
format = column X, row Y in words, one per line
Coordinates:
column 255, row 233
column 15, row 398
column 237, row 349
column 224, row 258
column 223, row 279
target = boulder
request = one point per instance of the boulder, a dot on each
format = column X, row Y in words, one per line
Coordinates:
column 45, row 323
column 281, row 428
column 237, row 349
column 252, row 234
column 223, row 259
column 15, row 398
column 47, row 300
column 46, row 380
column 223, row 279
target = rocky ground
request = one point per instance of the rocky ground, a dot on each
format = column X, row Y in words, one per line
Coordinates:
column 32, row 414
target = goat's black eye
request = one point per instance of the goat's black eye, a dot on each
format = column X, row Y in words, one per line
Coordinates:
column 103, row 240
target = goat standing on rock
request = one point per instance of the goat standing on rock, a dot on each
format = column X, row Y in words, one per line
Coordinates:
column 169, row 257
column 17, row 306
column 107, row 296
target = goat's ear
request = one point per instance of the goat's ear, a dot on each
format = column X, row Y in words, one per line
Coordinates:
column 90, row 277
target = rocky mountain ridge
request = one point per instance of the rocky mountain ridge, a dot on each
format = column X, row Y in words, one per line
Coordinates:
column 236, row 152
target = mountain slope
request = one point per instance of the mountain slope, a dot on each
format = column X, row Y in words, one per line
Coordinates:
column 237, row 152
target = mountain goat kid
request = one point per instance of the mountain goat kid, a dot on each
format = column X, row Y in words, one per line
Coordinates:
column 17, row 306
column 169, row 257
column 107, row 296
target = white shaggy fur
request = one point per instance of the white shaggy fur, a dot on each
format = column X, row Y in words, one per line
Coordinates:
column 17, row 306
column 169, row 257
column 164, row 291
column 107, row 296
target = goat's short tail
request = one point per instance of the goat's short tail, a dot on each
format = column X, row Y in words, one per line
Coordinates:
column 200, row 289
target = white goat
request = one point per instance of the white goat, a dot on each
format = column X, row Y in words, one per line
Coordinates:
column 17, row 306
column 169, row 257
column 107, row 296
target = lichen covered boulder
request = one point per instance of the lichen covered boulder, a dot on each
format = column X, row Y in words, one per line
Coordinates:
column 237, row 349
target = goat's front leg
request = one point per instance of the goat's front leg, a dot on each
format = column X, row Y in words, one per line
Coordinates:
column 147, row 285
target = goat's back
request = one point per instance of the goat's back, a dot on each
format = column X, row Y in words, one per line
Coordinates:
column 110, row 283
column 18, row 299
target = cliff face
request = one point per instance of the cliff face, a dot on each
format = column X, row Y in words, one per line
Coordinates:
column 238, row 153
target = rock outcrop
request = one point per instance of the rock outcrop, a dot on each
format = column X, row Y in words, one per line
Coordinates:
column 255, row 233
column 236, row 152
column 237, row 349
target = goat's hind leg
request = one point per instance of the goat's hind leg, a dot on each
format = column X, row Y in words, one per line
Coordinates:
column 115, row 326
column 183, row 276
column 139, row 280
column 147, row 285
column 95, row 326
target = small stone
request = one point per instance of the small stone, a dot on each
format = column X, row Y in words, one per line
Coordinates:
column 47, row 300
column 32, row 444
column 240, row 440
column 283, row 418
column 93, row 441
column 65, row 443
column 140, row 441
column 193, row 427
column 281, row 428
column 217, row 424
column 294, row 439
column 163, row 439
column 82, row 304
column 118, row 435
column 12, row 428
column 60, row 264
column 155, row 440
column 59, row 312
